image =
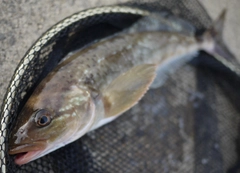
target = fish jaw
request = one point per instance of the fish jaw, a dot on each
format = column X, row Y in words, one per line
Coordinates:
column 28, row 152
column 23, row 158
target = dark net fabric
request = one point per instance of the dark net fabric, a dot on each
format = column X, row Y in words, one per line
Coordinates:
column 190, row 124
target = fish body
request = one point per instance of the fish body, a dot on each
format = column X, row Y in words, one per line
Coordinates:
column 96, row 84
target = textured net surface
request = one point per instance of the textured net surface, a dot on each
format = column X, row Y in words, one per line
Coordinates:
column 190, row 124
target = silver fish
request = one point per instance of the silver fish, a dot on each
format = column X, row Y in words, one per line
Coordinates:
column 98, row 83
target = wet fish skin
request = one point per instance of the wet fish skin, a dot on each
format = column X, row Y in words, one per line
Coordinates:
column 95, row 85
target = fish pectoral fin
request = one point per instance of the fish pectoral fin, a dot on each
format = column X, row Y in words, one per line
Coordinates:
column 127, row 89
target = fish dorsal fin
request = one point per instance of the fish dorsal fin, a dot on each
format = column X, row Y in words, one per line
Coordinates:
column 127, row 89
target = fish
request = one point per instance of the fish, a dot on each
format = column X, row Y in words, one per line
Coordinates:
column 96, row 84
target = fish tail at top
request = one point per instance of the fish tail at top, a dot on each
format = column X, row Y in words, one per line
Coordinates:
column 213, row 43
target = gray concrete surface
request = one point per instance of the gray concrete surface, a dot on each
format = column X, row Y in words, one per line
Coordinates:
column 22, row 22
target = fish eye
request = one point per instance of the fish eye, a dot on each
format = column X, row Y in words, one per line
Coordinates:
column 42, row 118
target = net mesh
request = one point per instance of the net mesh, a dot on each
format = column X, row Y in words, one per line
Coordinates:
column 190, row 124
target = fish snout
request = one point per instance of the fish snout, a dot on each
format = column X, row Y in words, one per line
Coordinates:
column 26, row 147
column 24, row 153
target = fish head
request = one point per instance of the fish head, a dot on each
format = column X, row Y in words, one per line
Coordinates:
column 50, row 120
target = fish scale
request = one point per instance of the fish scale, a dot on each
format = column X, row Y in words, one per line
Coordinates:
column 124, row 58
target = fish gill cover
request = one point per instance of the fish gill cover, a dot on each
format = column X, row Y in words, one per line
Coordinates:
column 190, row 124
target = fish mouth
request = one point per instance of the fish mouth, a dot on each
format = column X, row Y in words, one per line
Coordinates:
column 25, row 153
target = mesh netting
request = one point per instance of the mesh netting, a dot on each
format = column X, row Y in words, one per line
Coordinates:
column 190, row 124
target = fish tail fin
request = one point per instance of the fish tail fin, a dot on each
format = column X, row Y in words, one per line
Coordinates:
column 213, row 43
column 215, row 33
column 217, row 28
